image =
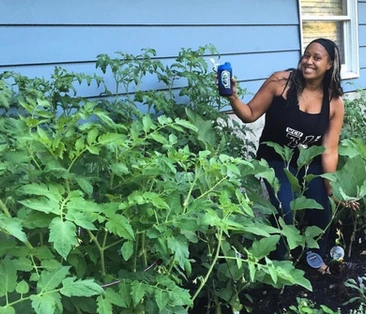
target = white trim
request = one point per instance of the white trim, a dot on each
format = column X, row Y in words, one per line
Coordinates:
column 326, row 18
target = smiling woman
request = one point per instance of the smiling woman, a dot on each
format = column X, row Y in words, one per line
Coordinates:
column 336, row 20
column 303, row 108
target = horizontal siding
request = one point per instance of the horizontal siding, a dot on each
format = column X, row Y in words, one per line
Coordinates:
column 59, row 44
column 361, row 81
column 363, row 57
column 37, row 35
column 362, row 12
column 362, row 35
column 148, row 12
column 355, row 84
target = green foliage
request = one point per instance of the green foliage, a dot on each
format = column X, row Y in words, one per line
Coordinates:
column 305, row 306
column 353, row 154
column 298, row 235
column 197, row 91
column 358, row 287
column 349, row 184
column 106, row 209
column 360, row 310
column 355, row 116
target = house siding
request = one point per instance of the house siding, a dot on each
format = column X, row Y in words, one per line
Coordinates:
column 257, row 36
column 362, row 40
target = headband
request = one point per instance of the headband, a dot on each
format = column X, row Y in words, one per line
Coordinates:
column 327, row 44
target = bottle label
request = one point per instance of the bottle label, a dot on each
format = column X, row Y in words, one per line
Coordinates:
column 225, row 79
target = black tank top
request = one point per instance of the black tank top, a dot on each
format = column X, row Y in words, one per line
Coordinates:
column 286, row 124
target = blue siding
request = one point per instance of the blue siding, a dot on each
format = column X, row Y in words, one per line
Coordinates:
column 361, row 81
column 41, row 34
column 158, row 12
column 257, row 36
column 56, row 44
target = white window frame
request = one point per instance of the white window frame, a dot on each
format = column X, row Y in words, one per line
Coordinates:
column 351, row 67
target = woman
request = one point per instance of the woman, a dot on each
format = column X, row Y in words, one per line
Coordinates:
column 303, row 107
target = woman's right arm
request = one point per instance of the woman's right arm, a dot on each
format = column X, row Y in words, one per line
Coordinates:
column 261, row 101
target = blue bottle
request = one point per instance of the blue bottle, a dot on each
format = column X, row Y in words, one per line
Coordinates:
column 224, row 75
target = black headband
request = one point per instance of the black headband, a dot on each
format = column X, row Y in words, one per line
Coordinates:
column 328, row 46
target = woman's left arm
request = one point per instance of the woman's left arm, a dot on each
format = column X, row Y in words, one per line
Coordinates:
column 331, row 138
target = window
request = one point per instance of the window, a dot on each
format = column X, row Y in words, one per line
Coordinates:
column 336, row 20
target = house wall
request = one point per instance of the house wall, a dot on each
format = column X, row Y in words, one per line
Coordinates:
column 37, row 35
column 361, row 81
column 257, row 36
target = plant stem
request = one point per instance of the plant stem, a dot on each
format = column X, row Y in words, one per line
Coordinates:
column 28, row 298
column 211, row 266
column 135, row 257
column 105, row 239
column 113, row 244
column 101, row 251
column 34, row 264
column 171, row 265
column 186, row 201
column 144, row 257
column 211, row 189
column 5, row 209
column 353, row 236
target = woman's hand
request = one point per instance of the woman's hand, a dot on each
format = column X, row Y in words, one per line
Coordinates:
column 354, row 205
column 235, row 91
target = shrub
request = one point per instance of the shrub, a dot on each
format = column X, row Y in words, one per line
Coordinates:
column 106, row 208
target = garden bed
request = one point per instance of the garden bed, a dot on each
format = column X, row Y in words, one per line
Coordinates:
column 328, row 290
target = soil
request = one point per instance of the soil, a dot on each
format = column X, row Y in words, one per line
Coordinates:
column 328, row 289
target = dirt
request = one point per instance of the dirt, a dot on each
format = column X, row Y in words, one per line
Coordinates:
column 328, row 289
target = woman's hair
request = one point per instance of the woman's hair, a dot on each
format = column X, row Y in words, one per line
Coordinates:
column 331, row 80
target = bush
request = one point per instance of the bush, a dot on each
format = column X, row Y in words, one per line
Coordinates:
column 106, row 209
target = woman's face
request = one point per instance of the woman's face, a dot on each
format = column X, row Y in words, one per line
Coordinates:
column 315, row 62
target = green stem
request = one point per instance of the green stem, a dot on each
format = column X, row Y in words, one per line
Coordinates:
column 211, row 266
column 101, row 251
column 211, row 189
column 41, row 239
column 117, row 84
column 5, row 209
column 34, row 264
column 171, row 265
column 186, row 201
column 34, row 160
column 353, row 236
column 105, row 239
column 28, row 298
column 144, row 256
column 70, row 125
column 135, row 257
column 113, row 244
column 75, row 159
column 111, row 180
